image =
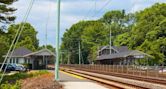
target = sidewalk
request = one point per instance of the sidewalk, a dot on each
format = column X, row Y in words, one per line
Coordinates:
column 70, row 81
column 82, row 85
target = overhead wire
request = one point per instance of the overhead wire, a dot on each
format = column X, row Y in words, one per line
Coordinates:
column 89, row 11
column 15, row 40
column 47, row 20
column 16, row 36
column 107, row 3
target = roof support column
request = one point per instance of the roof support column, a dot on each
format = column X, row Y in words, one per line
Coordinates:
column 15, row 60
column 43, row 62
column 32, row 63
column 46, row 61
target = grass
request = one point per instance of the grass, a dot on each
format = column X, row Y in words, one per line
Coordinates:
column 13, row 81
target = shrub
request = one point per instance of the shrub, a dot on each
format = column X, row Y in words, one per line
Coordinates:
column 22, row 75
column 7, row 85
column 12, row 81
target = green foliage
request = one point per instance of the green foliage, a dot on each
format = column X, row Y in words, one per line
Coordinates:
column 6, row 11
column 4, row 45
column 93, row 37
column 7, row 85
column 122, row 39
column 28, row 37
column 149, row 33
column 12, row 81
column 71, row 39
column 93, row 34
column 18, row 76
column 50, row 47
column 144, row 30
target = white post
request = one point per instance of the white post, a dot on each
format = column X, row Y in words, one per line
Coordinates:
column 15, row 60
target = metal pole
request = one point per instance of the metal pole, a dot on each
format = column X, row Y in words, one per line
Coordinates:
column 79, row 53
column 110, row 41
column 57, row 41
column 68, row 59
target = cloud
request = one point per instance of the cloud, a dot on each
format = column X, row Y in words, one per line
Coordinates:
column 141, row 4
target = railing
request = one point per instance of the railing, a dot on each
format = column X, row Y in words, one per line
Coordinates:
column 145, row 71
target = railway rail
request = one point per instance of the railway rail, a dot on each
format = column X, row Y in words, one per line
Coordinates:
column 106, row 82
column 153, row 80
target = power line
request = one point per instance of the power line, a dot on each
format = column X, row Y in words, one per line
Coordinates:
column 47, row 20
column 107, row 3
column 90, row 10
column 15, row 40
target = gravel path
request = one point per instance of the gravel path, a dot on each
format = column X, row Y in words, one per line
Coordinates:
column 41, row 82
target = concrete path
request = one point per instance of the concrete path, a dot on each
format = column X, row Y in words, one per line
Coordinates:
column 82, row 85
column 70, row 81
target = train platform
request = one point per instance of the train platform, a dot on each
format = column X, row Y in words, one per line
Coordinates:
column 143, row 84
column 71, row 81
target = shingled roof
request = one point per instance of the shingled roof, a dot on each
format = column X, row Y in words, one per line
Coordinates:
column 123, row 52
column 42, row 52
column 20, row 52
column 116, row 48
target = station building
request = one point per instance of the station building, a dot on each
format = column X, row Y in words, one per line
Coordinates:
column 36, row 60
column 119, row 55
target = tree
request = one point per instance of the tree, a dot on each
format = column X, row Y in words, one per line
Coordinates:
column 118, row 22
column 148, row 32
column 28, row 33
column 71, row 39
column 4, row 45
column 144, row 30
column 6, row 12
column 27, row 43
column 90, row 34
column 50, row 47
column 93, row 37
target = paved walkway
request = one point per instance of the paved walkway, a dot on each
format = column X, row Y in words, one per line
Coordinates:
column 70, row 81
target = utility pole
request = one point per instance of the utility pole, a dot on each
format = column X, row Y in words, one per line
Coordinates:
column 68, row 59
column 57, row 41
column 62, row 57
column 110, row 39
column 79, row 46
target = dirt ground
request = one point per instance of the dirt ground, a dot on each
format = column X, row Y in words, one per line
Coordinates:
column 41, row 82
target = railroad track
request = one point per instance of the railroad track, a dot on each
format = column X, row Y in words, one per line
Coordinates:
column 128, row 76
column 109, row 83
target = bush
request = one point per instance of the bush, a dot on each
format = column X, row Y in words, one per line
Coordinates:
column 7, row 85
column 12, row 81
column 22, row 75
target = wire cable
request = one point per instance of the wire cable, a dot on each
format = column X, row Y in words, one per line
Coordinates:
column 90, row 10
column 47, row 20
column 17, row 36
column 107, row 3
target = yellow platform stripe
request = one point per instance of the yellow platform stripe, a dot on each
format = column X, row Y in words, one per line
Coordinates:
column 73, row 75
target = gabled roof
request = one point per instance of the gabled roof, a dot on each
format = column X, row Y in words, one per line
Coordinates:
column 43, row 52
column 115, row 48
column 121, row 48
column 123, row 55
column 20, row 52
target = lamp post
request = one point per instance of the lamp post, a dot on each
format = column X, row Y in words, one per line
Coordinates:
column 57, row 41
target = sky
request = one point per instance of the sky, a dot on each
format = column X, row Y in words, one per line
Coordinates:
column 72, row 11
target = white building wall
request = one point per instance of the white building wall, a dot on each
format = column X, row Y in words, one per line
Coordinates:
column 21, row 60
